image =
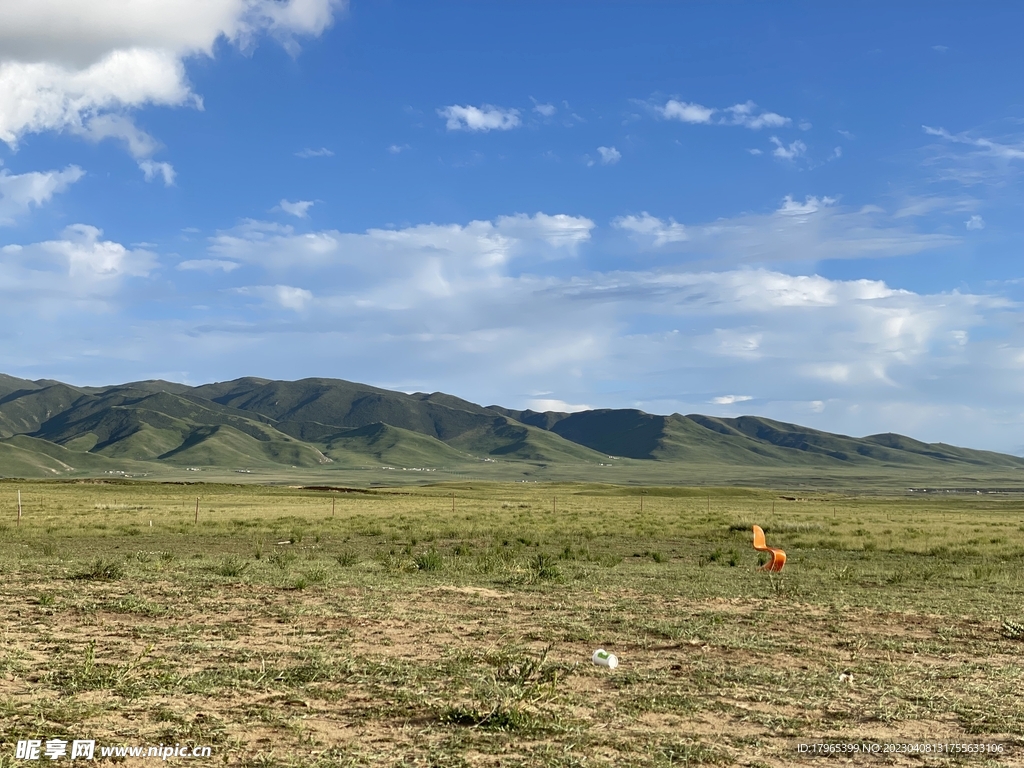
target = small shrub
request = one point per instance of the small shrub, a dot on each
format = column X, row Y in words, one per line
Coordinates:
column 282, row 559
column 317, row 575
column 346, row 559
column 102, row 570
column 543, row 568
column 232, row 567
column 430, row 560
column 658, row 557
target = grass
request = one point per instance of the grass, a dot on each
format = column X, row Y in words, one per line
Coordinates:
column 399, row 633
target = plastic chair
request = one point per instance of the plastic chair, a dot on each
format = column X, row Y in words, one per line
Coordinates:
column 778, row 557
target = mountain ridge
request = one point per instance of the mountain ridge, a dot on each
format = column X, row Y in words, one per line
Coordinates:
column 47, row 426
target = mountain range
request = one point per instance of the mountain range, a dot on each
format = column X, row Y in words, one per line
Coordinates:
column 48, row 428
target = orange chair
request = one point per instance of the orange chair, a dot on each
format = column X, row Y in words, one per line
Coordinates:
column 778, row 556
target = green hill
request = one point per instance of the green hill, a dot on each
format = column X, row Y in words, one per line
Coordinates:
column 48, row 428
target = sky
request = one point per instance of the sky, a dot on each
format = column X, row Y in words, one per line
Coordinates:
column 804, row 211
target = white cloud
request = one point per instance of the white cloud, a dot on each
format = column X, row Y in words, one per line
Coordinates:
column 794, row 150
column 19, row 192
column 809, row 231
column 307, row 153
column 80, row 271
column 208, row 265
column 731, row 399
column 559, row 230
column 754, row 151
column 430, row 257
column 63, row 68
column 282, row 296
column 747, row 115
column 810, row 205
column 483, row 118
column 609, row 155
column 89, row 257
column 151, row 170
column 558, row 406
column 940, row 48
column 975, row 222
column 299, row 209
column 652, row 227
column 544, row 110
column 111, row 126
column 397, row 149
column 805, row 125
column 990, row 147
column 686, row 112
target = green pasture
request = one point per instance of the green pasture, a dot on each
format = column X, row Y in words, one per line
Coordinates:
column 452, row 624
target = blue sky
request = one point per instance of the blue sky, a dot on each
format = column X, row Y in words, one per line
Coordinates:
column 799, row 210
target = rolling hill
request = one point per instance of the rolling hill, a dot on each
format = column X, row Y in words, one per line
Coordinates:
column 48, row 428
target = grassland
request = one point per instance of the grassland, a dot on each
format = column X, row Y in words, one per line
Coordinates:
column 302, row 627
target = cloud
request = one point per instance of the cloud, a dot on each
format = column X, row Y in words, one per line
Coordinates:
column 208, row 265
column 397, row 149
column 89, row 257
column 283, row 296
column 558, row 406
column 484, row 118
column 649, row 226
column 78, row 272
column 152, row 169
column 111, row 126
column 430, row 257
column 686, row 112
column 19, row 192
column 992, row 148
column 975, row 222
column 62, row 69
column 810, row 205
column 746, row 114
column 299, row 208
column 754, row 151
column 544, row 110
column 810, row 231
column 969, row 159
column 307, row 153
column 609, row 155
column 940, row 48
column 731, row 399
column 794, row 150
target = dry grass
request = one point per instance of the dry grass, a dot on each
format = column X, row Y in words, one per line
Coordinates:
column 398, row 634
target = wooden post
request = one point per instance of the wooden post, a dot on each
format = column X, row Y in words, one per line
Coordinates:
column 553, row 499
column 19, row 508
column 453, row 502
column 197, row 510
column 641, row 501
